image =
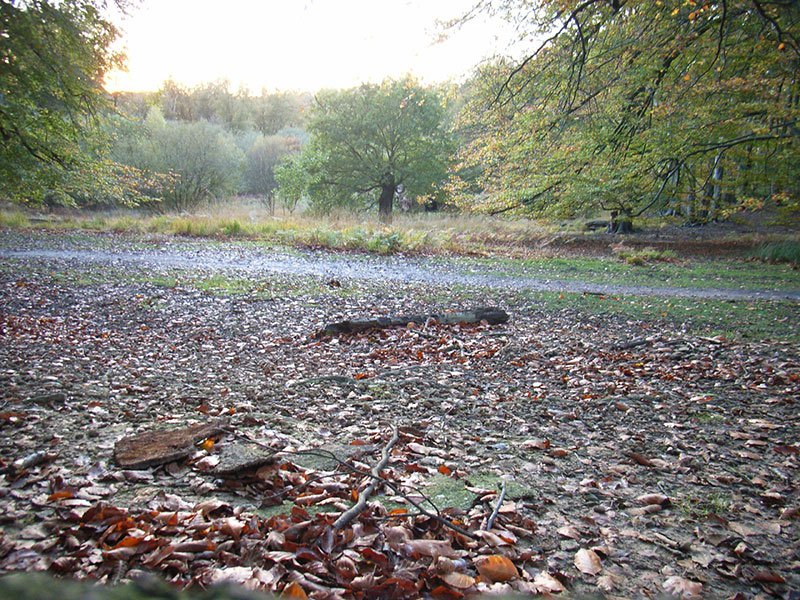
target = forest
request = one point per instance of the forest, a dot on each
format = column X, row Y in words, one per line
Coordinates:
column 682, row 109
column 533, row 331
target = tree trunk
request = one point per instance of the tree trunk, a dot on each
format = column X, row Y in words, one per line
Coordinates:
column 388, row 187
column 623, row 224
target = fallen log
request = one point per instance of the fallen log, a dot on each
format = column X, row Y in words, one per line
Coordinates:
column 493, row 316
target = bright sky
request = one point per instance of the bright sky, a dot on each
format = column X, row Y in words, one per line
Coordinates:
column 300, row 45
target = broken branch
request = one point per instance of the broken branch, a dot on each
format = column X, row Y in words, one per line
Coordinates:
column 346, row 517
column 496, row 511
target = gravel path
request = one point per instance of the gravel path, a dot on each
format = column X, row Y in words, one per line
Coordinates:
column 247, row 260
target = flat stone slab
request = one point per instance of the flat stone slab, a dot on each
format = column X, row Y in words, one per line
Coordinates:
column 238, row 457
column 152, row 448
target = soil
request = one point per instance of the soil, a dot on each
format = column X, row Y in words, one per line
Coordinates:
column 638, row 458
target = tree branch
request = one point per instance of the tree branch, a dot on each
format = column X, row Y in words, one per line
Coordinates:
column 347, row 516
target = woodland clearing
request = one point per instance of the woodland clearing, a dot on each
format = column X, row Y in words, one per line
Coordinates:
column 622, row 452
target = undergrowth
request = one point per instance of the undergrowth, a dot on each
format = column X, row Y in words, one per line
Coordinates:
column 780, row 252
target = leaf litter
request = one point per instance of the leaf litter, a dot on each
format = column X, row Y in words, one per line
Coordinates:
column 631, row 468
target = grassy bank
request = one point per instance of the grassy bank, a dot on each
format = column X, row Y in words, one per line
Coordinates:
column 429, row 233
column 411, row 233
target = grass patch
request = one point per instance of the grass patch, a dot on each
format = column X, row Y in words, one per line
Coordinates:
column 712, row 504
column 748, row 320
column 699, row 273
column 780, row 252
column 14, row 220
column 642, row 256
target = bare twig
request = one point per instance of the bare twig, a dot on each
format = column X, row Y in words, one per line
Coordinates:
column 496, row 511
column 324, row 453
column 347, row 516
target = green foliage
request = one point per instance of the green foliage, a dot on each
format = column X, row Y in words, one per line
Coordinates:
column 780, row 252
column 263, row 157
column 629, row 106
column 237, row 111
column 371, row 141
column 53, row 57
column 200, row 160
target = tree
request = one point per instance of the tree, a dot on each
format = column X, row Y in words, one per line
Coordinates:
column 275, row 111
column 53, row 57
column 262, row 159
column 200, row 158
column 626, row 106
column 372, row 139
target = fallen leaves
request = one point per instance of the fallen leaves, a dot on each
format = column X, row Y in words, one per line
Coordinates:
column 683, row 588
column 587, row 562
column 496, row 568
column 671, row 461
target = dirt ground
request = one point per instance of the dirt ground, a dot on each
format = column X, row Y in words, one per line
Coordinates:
column 637, row 458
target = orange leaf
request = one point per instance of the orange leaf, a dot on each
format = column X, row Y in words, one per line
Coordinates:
column 445, row 593
column 293, row 590
column 207, row 444
column 398, row 512
column 354, row 495
column 496, row 567
column 444, row 470
column 128, row 542
column 360, row 376
column 60, row 495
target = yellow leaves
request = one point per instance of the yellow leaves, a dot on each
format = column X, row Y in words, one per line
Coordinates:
column 781, row 46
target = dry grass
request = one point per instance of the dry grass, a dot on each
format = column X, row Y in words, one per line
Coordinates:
column 243, row 219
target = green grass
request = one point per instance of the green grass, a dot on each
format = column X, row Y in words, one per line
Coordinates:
column 713, row 503
column 14, row 220
column 780, row 252
column 752, row 320
column 695, row 273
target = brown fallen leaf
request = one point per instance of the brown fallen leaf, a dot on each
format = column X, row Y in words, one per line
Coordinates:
column 568, row 531
column 457, row 580
column 433, row 548
column 496, row 568
column 587, row 562
column 547, row 584
column 767, row 577
column 535, row 444
column 641, row 459
column 683, row 588
column 647, row 499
